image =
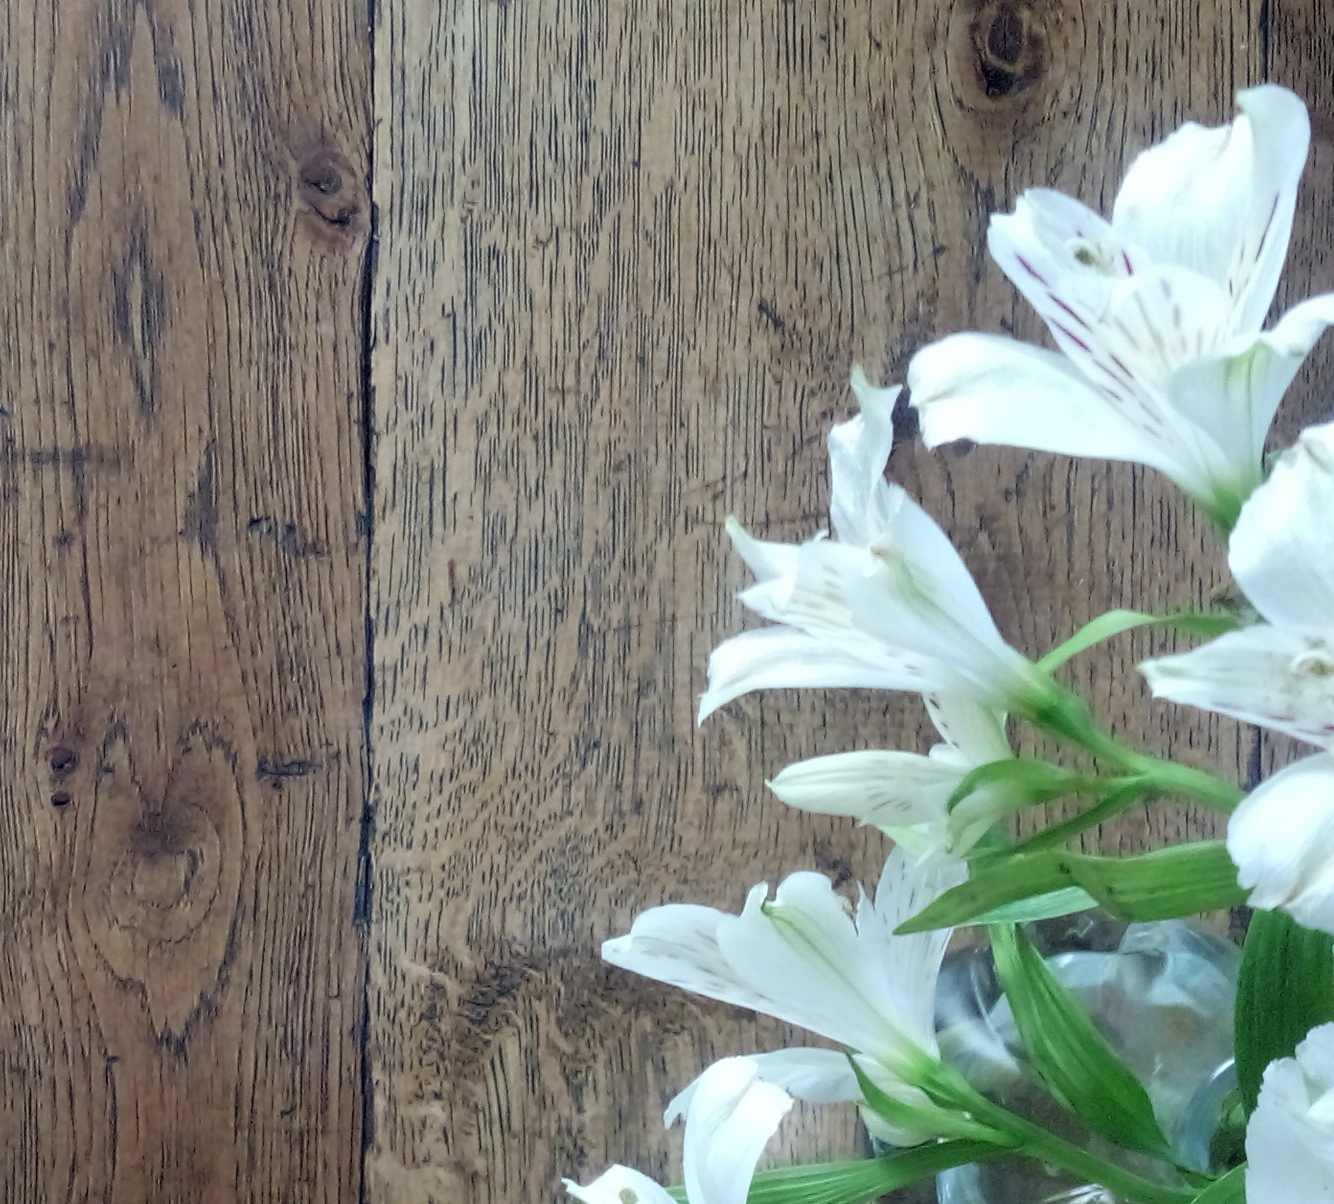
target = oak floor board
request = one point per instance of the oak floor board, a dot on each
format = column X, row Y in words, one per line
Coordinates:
column 628, row 253
column 183, row 554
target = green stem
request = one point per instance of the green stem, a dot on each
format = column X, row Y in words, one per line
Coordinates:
column 1225, row 503
column 1063, row 713
column 1047, row 1147
column 1113, row 804
column 1032, row 1141
column 1170, row 777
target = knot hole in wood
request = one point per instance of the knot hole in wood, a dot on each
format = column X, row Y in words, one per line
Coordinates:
column 1009, row 48
column 63, row 761
column 334, row 197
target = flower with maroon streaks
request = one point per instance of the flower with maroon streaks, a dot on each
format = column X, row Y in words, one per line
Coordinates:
column 1158, row 314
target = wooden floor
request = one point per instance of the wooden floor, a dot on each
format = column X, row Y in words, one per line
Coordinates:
column 375, row 383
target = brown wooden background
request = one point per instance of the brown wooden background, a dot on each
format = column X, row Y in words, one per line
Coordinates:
column 374, row 384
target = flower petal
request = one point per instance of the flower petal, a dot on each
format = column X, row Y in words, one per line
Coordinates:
column 892, row 790
column 807, row 958
column 619, row 1185
column 1282, row 840
column 1282, row 548
column 1065, row 259
column 803, row 952
column 903, row 891
column 825, row 1076
column 1299, row 328
column 1220, row 201
column 849, row 977
column 1272, row 676
column 1290, row 1136
column 768, row 561
column 898, row 611
column 976, row 730
column 678, row 944
column 1124, row 319
column 927, row 579
column 996, row 390
column 908, row 591
column 814, row 1076
column 1233, row 394
column 731, row 1117
column 782, row 658
column 858, row 451
column 1162, row 317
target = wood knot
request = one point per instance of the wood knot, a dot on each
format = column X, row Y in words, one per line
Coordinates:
column 333, row 194
column 160, row 892
column 63, row 761
column 1003, row 76
column 1009, row 49
column 165, row 880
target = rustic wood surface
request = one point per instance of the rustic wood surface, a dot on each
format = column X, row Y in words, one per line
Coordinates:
column 628, row 254
column 183, row 552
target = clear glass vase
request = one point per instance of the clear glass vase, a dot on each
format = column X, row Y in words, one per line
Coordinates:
column 1162, row 994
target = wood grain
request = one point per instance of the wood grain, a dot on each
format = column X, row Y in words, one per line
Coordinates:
column 182, row 546
column 629, row 252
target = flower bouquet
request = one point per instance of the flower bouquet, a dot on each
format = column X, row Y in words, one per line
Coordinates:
column 1162, row 359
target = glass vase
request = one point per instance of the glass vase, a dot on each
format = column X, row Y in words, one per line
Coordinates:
column 1161, row 993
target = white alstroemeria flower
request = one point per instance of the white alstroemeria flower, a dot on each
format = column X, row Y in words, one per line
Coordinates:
column 1158, row 312
column 1281, row 838
column 1280, row 674
column 906, row 794
column 826, row 1076
column 619, row 1185
column 810, row 958
column 1290, row 1136
column 887, row 604
column 730, row 1116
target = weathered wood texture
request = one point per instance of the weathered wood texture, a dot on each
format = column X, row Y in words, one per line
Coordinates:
column 183, row 552
column 629, row 252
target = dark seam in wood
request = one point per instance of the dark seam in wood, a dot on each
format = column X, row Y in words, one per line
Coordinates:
column 361, row 911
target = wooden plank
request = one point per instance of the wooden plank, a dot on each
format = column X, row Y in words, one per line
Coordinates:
column 629, row 252
column 182, row 547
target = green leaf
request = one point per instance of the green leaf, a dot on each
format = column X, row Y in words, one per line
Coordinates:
column 1068, row 1052
column 1044, row 907
column 1114, row 622
column 1204, row 625
column 1230, row 1189
column 928, row 1117
column 1123, row 792
column 1180, row 881
column 865, row 1180
column 893, row 1112
column 1285, row 988
column 862, row 1180
column 1021, row 779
